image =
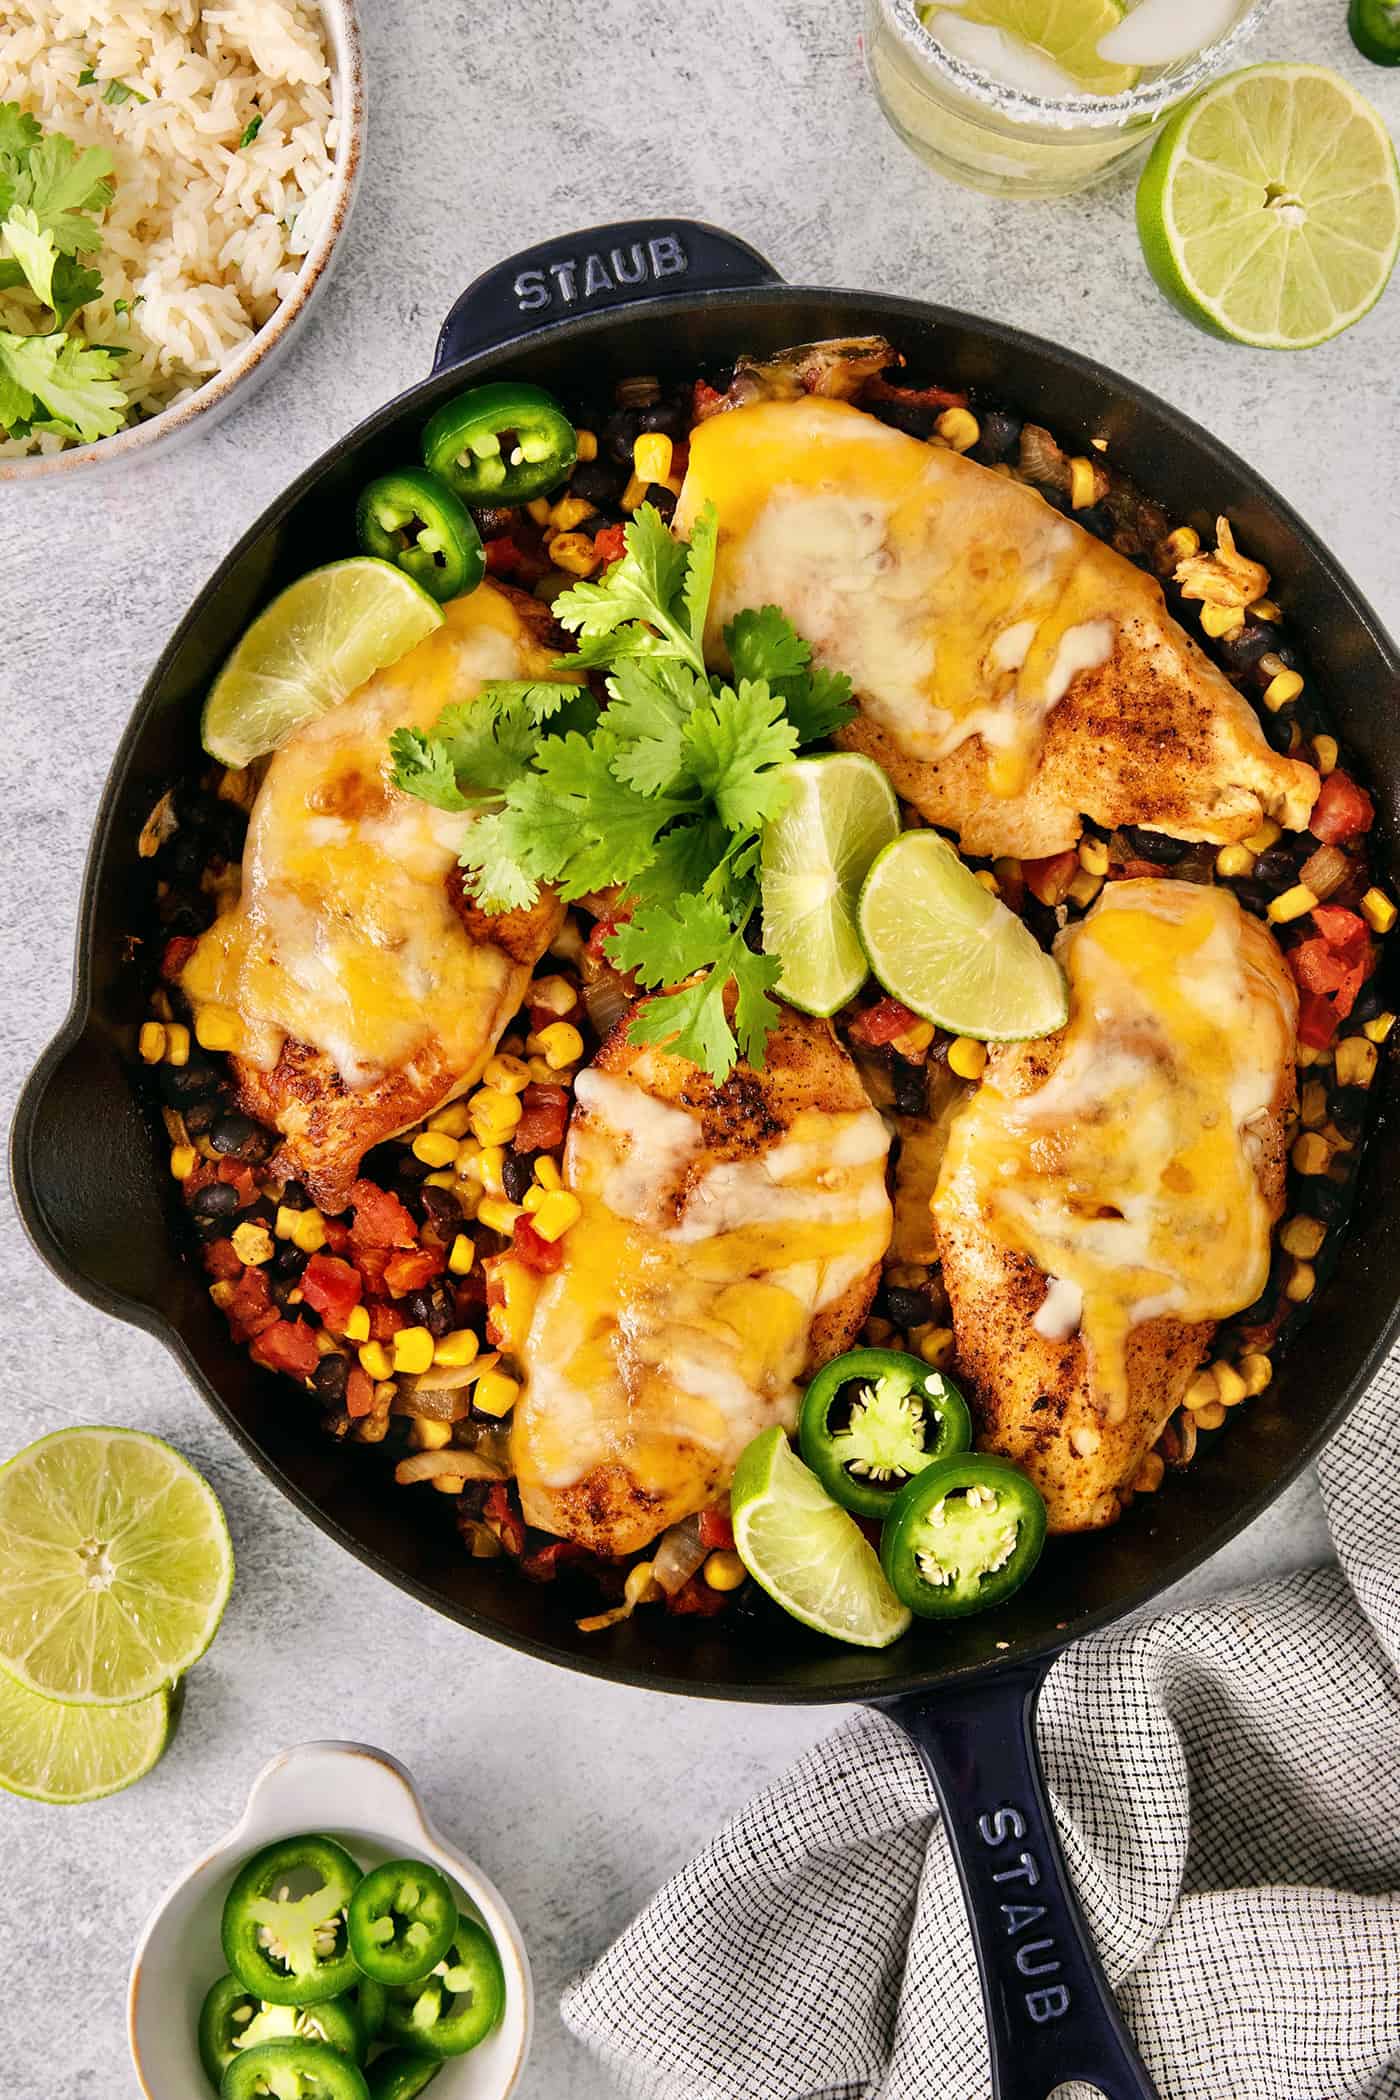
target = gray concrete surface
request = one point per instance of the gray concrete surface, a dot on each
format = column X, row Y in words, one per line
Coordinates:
column 490, row 128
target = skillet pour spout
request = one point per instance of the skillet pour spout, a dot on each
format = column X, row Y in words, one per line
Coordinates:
column 576, row 315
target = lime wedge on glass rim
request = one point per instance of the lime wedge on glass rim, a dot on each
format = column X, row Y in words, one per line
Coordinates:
column 63, row 1754
column 307, row 651
column 947, row 949
column 1066, row 32
column 1269, row 208
column 115, row 1566
column 841, row 813
column 809, row 1554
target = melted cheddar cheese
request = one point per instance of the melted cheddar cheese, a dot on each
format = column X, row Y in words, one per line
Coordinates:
column 345, row 935
column 678, row 1325
column 1128, row 1172
column 960, row 604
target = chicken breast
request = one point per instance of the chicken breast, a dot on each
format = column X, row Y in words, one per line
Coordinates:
column 361, row 987
column 1014, row 674
column 730, row 1242
column 1109, row 1193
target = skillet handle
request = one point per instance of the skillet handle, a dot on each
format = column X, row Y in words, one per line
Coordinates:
column 1051, row 2017
column 629, row 264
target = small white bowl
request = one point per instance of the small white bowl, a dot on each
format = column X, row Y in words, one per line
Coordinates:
column 367, row 1800
column 257, row 356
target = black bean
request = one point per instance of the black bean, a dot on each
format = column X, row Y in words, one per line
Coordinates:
column 662, row 499
column 182, row 1084
column 434, row 1307
column 201, row 1116
column 1155, row 845
column 1254, row 896
column 330, row 1378
column 1096, row 519
column 1000, row 438
column 472, row 1500
column 671, row 417
column 619, row 434
column 1348, row 1111
column 1368, row 1002
column 188, row 914
column 441, row 1210
column 294, row 1197
column 237, row 1136
column 217, row 1199
column 1277, row 869
column 195, row 807
column 228, row 830
column 599, row 481
column 910, row 1083
column 1247, row 644
column 915, row 418
column 181, row 859
column 1278, row 729
column 289, row 1260
column 517, row 1173
column 1287, row 656
column 1327, row 1198
column 907, row 1308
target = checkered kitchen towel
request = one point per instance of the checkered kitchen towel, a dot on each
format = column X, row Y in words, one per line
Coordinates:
column 1227, row 1784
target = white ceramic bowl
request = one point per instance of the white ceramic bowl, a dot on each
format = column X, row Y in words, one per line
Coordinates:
column 369, row 1802
column 257, row 356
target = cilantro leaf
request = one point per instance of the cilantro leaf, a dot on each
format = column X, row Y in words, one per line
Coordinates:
column 648, row 585
column 118, row 91
column 73, row 285
column 494, row 856
column 665, row 945
column 763, row 643
column 701, row 551
column 479, row 747
column 728, row 742
column 61, row 186
column 615, row 828
column 819, row 704
column 32, row 247
column 651, row 703
column 686, row 858
column 70, row 382
column 250, row 132
column 18, row 131
column 423, row 768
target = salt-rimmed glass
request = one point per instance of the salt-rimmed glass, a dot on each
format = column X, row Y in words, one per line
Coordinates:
column 1002, row 139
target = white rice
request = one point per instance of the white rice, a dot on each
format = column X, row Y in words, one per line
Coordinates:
column 203, row 239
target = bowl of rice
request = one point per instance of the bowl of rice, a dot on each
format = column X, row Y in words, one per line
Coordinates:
column 200, row 162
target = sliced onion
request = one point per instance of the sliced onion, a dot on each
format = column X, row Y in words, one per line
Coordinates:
column 606, row 996
column 482, row 1542
column 450, row 1463
column 678, row 1556
column 439, row 1393
column 1325, row 871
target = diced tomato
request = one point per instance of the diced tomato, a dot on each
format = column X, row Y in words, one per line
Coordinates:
column 239, row 1178
column 178, row 950
column 337, row 1234
column 288, row 1345
column 359, row 1393
column 716, row 1531
column 380, row 1219
column 878, row 389
column 251, row 1309
column 534, row 1250
column 221, row 1260
column 331, row 1288
column 544, row 1565
column 882, row 1022
column 1339, row 927
column 603, row 931
column 385, row 1322
column 610, row 544
column 410, row 1271
column 545, row 1016
column 1317, row 1020
column 502, row 556
column 506, row 1522
column 697, row 1599
column 544, row 1117
column 371, row 1263
column 1048, row 880
column 1336, row 962
column 706, row 402
column 1341, row 811
column 680, row 459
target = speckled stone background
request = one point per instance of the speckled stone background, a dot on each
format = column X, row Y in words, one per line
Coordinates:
column 491, row 127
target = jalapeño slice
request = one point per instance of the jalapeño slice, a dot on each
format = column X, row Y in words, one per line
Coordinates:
column 401, row 2074
column 293, row 2071
column 402, row 1918
column 456, row 2006
column 228, row 2011
column 291, row 1949
column 500, row 444
column 874, row 1419
column 962, row 1535
column 413, row 519
column 1375, row 30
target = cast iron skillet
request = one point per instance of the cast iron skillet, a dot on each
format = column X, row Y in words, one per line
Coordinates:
column 90, row 1174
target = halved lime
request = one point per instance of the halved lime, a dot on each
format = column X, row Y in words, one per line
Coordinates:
column 809, row 1554
column 324, row 636
column 1269, row 209
column 1066, row 32
column 949, row 950
column 50, row 1751
column 842, row 812
column 115, row 1566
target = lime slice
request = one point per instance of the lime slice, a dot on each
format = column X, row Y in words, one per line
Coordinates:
column 115, row 1566
column 1066, row 32
column 324, row 636
column 809, row 1554
column 1269, row 209
column 65, row 1754
column 815, row 856
column 951, row 951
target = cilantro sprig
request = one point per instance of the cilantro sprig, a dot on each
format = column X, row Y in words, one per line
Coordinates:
column 663, row 793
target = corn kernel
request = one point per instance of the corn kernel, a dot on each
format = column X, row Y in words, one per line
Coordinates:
column 1084, row 888
column 561, row 1045
column 725, row 1571
column 432, row 1436
column 442, row 1179
column 222, row 1294
column 1376, row 1031
column 1083, row 484
column 183, row 1161
column 1093, row 856
column 1378, row 911
column 488, row 1168
column 547, row 1172
column 151, row 1042
column 1311, row 1153
column 451, row 1121
column 285, row 1222
column 357, row 1324
column 498, row 1214
column 447, row 1483
column 575, row 553
column 434, row 1147
column 413, row 1350
column 1232, row 861
column 375, row 1359
column 1184, row 542
column 1151, row 1474
column 936, row 1345
column 959, row 428
column 641, row 1586
column 1282, row 687
column 634, row 495
column 1325, row 754
column 252, row 1243
column 1268, row 834
column 1307, row 1055
column 1210, row 1416
column 1203, row 1391
column 309, row 1232
column 538, row 510
column 566, row 513
column 458, row 1348
column 651, row 456
column 967, row 1057
column 555, row 995
column 556, row 1214
column 587, row 445
column 532, row 1199
column 1303, row 1237
column 462, row 1255
column 1265, row 609
column 1312, row 1107
column 508, row 1321
column 1301, row 1283
column 177, row 1044
column 1256, row 1371
column 1220, row 620
column 1356, row 1061
column 215, row 1028
column 494, row 1114
column 509, row 1075
column 542, row 1072
column 495, row 1394
column 914, row 1040
column 988, row 881
column 1292, row 904
column 1229, row 1385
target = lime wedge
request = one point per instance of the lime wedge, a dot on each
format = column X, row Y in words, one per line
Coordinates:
column 324, row 636
column 951, row 951
column 809, row 1554
column 1066, row 32
column 815, row 856
column 66, row 1754
column 1269, row 209
column 115, row 1566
